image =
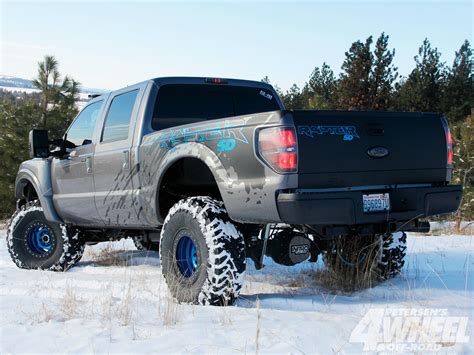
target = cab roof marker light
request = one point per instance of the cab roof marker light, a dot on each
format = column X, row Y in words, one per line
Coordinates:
column 215, row 81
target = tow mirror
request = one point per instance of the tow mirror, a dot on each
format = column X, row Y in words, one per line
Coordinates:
column 38, row 143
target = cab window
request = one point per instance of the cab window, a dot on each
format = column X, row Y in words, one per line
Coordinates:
column 118, row 118
column 82, row 129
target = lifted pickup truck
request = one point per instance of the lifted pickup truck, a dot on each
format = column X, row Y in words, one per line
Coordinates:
column 213, row 171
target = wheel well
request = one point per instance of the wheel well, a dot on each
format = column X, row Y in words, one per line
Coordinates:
column 185, row 178
column 27, row 192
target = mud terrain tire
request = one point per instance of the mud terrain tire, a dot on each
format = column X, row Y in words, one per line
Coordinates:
column 202, row 253
column 382, row 255
column 35, row 243
column 393, row 248
column 142, row 245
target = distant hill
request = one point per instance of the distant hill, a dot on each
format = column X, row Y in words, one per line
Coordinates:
column 11, row 81
column 14, row 82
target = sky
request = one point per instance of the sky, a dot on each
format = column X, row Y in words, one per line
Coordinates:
column 111, row 44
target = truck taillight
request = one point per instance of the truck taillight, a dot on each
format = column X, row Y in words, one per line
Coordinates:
column 449, row 143
column 278, row 147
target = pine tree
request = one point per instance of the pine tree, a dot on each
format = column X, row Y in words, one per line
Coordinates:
column 321, row 89
column 293, row 99
column 47, row 81
column 458, row 97
column 366, row 81
column 383, row 75
column 266, row 80
column 57, row 96
column 422, row 90
column 355, row 84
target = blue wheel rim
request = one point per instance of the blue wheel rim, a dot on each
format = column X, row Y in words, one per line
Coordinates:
column 40, row 239
column 186, row 256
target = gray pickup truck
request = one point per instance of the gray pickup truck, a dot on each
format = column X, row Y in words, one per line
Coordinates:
column 211, row 172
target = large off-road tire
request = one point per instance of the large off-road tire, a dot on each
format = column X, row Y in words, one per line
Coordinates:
column 202, row 253
column 35, row 243
column 143, row 245
column 364, row 257
column 391, row 257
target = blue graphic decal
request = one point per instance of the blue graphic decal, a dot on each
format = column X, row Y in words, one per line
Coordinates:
column 226, row 145
column 227, row 136
column 348, row 132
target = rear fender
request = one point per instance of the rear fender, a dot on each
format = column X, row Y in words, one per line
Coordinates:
column 186, row 150
column 247, row 186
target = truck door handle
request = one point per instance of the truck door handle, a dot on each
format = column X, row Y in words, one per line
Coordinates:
column 88, row 164
column 126, row 159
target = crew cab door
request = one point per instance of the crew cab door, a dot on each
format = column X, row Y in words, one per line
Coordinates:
column 113, row 167
column 72, row 176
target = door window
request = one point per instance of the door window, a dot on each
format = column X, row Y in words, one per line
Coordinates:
column 81, row 130
column 117, row 121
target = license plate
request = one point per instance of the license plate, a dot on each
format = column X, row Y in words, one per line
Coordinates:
column 376, row 202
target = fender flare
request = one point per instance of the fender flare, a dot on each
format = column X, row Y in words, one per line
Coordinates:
column 45, row 193
column 197, row 151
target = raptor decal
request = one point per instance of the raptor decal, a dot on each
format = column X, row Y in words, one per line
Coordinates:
column 227, row 136
column 348, row 132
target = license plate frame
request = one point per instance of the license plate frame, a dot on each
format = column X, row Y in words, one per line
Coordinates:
column 376, row 202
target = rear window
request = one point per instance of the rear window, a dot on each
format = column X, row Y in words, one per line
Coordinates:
column 182, row 104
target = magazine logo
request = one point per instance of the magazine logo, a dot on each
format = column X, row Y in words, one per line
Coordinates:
column 409, row 330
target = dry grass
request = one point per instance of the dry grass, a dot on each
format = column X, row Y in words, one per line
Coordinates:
column 108, row 256
column 170, row 312
column 106, row 309
column 69, row 304
column 225, row 316
column 45, row 314
column 125, row 306
column 298, row 281
column 169, row 308
column 257, row 332
column 350, row 266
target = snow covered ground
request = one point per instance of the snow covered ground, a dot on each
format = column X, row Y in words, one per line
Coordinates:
column 115, row 301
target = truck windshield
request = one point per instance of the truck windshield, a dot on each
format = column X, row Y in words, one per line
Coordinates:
column 179, row 104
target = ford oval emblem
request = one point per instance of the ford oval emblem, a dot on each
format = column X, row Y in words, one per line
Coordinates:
column 378, row 152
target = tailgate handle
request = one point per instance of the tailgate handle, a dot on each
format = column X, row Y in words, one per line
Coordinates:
column 375, row 131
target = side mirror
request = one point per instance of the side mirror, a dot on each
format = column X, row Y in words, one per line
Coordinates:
column 38, row 143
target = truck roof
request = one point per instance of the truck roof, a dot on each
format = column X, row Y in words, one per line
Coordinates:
column 194, row 80
column 209, row 81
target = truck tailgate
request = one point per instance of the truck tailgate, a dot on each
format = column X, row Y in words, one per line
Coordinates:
column 353, row 148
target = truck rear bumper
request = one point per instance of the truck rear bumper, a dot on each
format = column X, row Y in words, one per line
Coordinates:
column 344, row 207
